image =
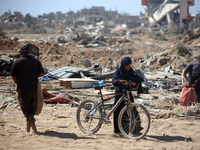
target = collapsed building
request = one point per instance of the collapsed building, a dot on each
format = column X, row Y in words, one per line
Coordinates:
column 171, row 16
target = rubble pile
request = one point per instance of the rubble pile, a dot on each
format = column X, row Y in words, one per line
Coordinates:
column 145, row 51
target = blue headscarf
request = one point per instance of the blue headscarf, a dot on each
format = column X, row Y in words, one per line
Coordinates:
column 125, row 61
column 122, row 73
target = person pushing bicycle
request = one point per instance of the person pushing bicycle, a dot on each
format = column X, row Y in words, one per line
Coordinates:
column 124, row 72
column 131, row 120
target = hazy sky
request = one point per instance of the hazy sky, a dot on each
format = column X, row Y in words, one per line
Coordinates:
column 38, row 7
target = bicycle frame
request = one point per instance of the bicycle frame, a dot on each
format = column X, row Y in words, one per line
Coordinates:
column 123, row 94
column 116, row 105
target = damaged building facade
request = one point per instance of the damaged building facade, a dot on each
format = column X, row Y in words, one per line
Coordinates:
column 171, row 16
column 97, row 14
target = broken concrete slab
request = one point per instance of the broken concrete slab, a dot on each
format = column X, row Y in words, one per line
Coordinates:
column 77, row 82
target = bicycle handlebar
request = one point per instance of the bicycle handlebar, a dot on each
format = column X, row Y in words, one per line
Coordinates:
column 124, row 82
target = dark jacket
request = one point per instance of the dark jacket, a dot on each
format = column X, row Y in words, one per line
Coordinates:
column 122, row 74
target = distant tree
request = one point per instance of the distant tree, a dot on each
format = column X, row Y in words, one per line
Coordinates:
column 27, row 18
column 2, row 33
column 39, row 16
column 106, row 13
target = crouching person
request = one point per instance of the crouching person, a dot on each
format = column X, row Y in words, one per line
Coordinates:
column 191, row 75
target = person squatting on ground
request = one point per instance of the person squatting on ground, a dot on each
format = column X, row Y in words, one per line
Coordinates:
column 193, row 78
column 125, row 72
column 25, row 72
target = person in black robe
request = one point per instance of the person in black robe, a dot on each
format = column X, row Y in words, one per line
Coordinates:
column 25, row 72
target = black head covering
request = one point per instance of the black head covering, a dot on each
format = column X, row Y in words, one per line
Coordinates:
column 24, row 49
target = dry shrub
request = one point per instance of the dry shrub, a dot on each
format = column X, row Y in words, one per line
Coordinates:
column 182, row 50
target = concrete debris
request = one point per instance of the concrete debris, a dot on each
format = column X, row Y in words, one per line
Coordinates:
column 7, row 102
column 119, row 30
column 169, row 16
column 5, row 66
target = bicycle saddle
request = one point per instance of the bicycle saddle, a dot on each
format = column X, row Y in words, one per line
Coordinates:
column 98, row 87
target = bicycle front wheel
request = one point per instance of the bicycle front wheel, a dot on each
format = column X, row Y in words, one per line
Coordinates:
column 89, row 116
column 134, row 121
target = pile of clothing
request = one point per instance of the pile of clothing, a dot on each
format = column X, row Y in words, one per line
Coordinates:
column 61, row 98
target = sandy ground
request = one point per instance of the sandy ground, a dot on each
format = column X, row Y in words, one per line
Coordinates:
column 58, row 129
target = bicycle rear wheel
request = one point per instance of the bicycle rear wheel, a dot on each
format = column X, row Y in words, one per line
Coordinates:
column 89, row 116
column 134, row 121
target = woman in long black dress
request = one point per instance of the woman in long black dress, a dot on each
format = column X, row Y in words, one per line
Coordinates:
column 125, row 72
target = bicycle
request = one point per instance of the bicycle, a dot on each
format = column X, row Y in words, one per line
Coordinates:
column 133, row 120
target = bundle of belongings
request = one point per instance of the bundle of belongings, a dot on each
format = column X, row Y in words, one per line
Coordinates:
column 187, row 95
column 32, row 49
